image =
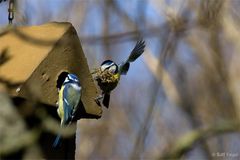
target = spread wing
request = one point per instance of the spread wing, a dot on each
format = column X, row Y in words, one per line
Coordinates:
column 136, row 52
column 71, row 98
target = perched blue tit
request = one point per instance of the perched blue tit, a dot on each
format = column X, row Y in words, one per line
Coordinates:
column 109, row 73
column 68, row 101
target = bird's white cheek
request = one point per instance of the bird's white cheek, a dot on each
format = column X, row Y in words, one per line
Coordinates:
column 66, row 80
column 103, row 68
column 112, row 69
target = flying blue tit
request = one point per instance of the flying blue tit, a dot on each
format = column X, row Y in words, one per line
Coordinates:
column 68, row 101
column 109, row 73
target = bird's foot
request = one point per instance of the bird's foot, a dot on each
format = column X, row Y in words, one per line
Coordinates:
column 97, row 99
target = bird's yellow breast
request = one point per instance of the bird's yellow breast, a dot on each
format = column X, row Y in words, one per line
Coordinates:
column 117, row 76
column 60, row 104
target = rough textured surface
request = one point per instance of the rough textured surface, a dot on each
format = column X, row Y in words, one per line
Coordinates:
column 38, row 55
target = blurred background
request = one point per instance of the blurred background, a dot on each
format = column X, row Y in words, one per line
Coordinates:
column 180, row 99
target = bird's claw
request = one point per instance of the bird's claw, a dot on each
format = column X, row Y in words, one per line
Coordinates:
column 97, row 99
column 98, row 102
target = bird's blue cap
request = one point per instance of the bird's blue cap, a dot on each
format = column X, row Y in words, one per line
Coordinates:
column 73, row 77
column 109, row 63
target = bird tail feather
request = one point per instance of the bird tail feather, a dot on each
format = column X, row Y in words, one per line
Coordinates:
column 106, row 100
column 56, row 141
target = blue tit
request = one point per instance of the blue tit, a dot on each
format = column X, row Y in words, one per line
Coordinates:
column 109, row 73
column 68, row 101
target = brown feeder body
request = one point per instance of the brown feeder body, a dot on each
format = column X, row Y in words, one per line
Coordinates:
column 38, row 55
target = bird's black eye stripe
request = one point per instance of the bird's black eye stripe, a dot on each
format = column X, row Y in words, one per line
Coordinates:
column 110, row 66
column 107, row 68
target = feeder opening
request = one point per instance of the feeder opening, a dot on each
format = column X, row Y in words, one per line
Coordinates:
column 61, row 79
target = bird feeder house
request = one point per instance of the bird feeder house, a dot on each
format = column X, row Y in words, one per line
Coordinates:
column 39, row 57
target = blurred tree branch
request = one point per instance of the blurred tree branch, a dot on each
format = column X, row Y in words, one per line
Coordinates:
column 164, row 78
column 13, row 135
column 192, row 71
column 185, row 143
column 124, row 36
